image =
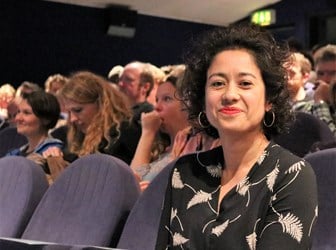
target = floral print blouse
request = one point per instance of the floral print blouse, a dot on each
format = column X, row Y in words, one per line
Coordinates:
column 273, row 207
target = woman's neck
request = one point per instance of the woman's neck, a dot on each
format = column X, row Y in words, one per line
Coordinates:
column 242, row 152
column 34, row 141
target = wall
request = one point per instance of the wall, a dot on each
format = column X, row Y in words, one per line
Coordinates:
column 40, row 38
column 296, row 18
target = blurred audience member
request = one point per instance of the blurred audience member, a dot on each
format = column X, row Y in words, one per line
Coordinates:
column 54, row 83
column 136, row 82
column 37, row 113
column 7, row 94
column 323, row 105
column 99, row 119
column 12, row 110
column 27, row 87
column 114, row 74
column 298, row 69
column 159, row 77
column 166, row 132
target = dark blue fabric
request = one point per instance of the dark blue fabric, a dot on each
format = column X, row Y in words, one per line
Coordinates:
column 10, row 139
column 324, row 164
column 142, row 226
column 22, row 184
column 304, row 133
column 49, row 142
column 88, row 204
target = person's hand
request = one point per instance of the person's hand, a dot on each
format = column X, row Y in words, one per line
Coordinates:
column 144, row 185
column 52, row 152
column 150, row 122
column 323, row 92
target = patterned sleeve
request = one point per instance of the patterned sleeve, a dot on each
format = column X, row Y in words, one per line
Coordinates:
column 322, row 111
column 292, row 210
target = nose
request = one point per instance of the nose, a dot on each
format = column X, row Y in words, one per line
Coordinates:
column 230, row 93
column 158, row 106
column 72, row 118
column 17, row 117
column 121, row 83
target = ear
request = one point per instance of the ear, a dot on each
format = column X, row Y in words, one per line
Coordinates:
column 145, row 88
column 268, row 106
column 305, row 77
column 45, row 122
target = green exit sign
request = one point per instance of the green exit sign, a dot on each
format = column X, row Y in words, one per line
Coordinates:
column 263, row 17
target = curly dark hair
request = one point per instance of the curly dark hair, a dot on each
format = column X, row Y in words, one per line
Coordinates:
column 269, row 56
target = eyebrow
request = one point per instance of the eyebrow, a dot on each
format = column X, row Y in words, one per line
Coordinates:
column 223, row 75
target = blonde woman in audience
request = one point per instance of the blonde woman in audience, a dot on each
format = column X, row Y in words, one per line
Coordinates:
column 54, row 83
column 114, row 74
column 99, row 119
column 159, row 77
column 7, row 94
column 12, row 110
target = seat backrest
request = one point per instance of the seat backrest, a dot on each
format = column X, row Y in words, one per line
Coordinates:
column 10, row 139
column 324, row 165
column 142, row 226
column 87, row 204
column 22, row 185
column 303, row 133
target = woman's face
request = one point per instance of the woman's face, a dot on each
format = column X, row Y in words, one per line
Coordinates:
column 81, row 115
column 27, row 123
column 235, row 93
column 170, row 109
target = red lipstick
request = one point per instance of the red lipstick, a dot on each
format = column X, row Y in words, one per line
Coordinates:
column 230, row 110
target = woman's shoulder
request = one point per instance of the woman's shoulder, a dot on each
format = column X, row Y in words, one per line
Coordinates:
column 281, row 155
column 286, row 164
column 47, row 143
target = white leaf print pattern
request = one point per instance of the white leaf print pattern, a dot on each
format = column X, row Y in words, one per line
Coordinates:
column 178, row 239
column 295, row 167
column 199, row 197
column 218, row 230
column 252, row 241
column 215, row 171
column 176, row 180
column 271, row 177
column 173, row 214
column 262, row 157
column 291, row 225
column 243, row 186
column 313, row 220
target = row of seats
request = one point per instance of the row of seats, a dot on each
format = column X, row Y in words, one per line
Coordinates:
column 96, row 201
column 87, row 205
column 303, row 134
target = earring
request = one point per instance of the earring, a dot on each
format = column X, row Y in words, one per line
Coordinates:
column 202, row 120
column 273, row 120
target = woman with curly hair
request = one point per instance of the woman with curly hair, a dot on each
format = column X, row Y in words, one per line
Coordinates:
column 249, row 193
column 99, row 118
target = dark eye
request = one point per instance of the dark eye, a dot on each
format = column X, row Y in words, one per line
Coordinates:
column 245, row 83
column 167, row 98
column 216, row 84
column 77, row 110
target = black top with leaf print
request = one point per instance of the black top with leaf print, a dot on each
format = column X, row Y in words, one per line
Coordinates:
column 274, row 207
